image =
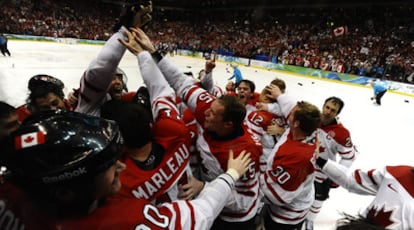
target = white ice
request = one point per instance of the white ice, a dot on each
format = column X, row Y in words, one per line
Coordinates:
column 383, row 134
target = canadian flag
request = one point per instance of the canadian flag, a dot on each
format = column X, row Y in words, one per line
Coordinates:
column 29, row 139
column 339, row 31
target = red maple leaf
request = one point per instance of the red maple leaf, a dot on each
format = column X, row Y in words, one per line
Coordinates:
column 380, row 216
column 28, row 139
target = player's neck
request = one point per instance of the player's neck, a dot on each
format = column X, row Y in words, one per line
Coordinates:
column 141, row 153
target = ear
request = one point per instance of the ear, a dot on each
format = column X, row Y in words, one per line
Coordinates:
column 296, row 124
column 228, row 124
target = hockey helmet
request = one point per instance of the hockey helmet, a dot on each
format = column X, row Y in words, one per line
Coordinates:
column 56, row 147
column 124, row 78
column 43, row 79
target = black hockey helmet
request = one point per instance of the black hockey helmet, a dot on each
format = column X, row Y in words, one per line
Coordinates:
column 56, row 147
column 42, row 79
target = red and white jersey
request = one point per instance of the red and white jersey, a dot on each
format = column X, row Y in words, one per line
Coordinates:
column 19, row 212
column 192, row 125
column 98, row 76
column 170, row 132
column 214, row 152
column 214, row 155
column 251, row 103
column 335, row 140
column 217, row 91
column 161, row 183
column 207, row 83
column 392, row 186
column 190, row 121
column 257, row 123
column 287, row 182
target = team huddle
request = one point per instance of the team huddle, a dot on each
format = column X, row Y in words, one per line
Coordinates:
column 180, row 152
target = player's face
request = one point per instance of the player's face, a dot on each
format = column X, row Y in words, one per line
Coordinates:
column 50, row 102
column 108, row 182
column 214, row 117
column 9, row 124
column 244, row 92
column 116, row 87
column 329, row 112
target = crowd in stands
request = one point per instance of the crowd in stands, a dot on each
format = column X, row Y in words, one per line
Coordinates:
column 376, row 41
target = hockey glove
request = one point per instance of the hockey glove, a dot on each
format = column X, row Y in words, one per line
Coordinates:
column 136, row 15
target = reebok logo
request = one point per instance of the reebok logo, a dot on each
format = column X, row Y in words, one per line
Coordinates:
column 65, row 176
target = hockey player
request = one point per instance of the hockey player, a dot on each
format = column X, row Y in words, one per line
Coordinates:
column 335, row 141
column 100, row 73
column 64, row 171
column 9, row 120
column 156, row 148
column 245, row 92
column 222, row 129
column 45, row 93
column 259, row 121
column 117, row 90
column 287, row 183
column 391, row 186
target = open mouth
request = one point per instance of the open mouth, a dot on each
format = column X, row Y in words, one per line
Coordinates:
column 117, row 89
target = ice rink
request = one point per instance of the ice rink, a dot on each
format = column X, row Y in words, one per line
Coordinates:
column 382, row 134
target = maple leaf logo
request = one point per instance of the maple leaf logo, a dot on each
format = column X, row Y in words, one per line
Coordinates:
column 380, row 217
column 28, row 139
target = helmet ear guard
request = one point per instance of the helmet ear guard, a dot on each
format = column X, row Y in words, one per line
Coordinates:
column 55, row 147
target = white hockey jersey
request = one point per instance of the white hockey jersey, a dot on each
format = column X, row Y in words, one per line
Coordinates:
column 335, row 140
column 392, row 186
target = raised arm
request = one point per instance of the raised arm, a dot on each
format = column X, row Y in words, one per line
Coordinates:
column 101, row 71
column 357, row 181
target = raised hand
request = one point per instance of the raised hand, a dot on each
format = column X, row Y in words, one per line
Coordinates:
column 143, row 39
column 210, row 64
column 274, row 91
column 131, row 43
